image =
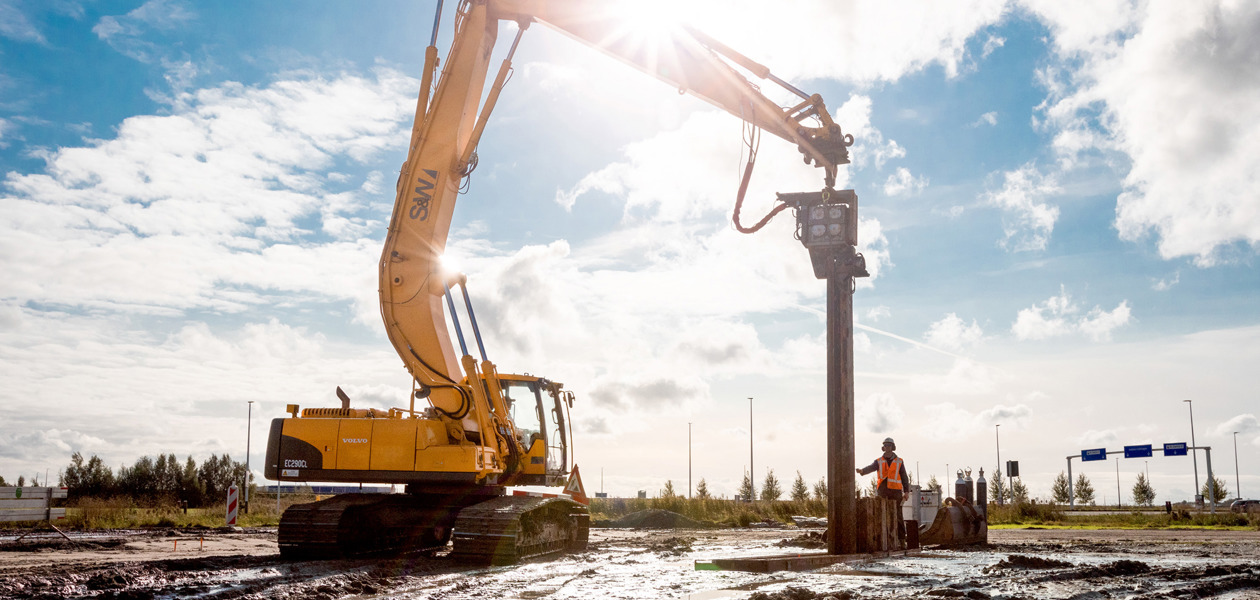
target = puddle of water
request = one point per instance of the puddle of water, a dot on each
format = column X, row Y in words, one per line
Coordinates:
column 715, row 595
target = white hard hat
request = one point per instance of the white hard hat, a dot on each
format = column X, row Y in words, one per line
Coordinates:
column 890, row 441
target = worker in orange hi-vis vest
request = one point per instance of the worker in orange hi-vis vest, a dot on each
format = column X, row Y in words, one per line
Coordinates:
column 894, row 482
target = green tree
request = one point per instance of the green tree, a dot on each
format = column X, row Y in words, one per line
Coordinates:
column 1059, row 490
column 1018, row 492
column 72, row 476
column 820, row 489
column 746, row 488
column 702, row 490
column 933, row 485
column 218, row 473
column 669, row 492
column 800, row 489
column 191, row 489
column 3, row 482
column 1084, row 490
column 998, row 487
column 1214, row 490
column 770, row 489
column 1143, row 493
column 21, row 481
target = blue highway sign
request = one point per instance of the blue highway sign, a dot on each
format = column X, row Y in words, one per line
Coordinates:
column 1175, row 449
column 1137, row 451
column 1095, row 454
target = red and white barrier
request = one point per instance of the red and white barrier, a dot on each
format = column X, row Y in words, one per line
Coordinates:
column 233, row 504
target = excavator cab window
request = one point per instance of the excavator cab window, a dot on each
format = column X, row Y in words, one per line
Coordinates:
column 557, row 438
column 525, row 407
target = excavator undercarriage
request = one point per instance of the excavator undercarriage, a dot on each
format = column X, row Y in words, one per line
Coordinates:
column 485, row 528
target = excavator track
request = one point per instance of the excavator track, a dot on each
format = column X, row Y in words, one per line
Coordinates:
column 508, row 529
column 366, row 524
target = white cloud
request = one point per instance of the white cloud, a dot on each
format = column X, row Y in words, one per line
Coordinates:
column 860, row 41
column 200, row 208
column 1045, row 320
column 1164, row 285
column 879, row 413
column 1099, row 324
column 1098, row 438
column 965, row 377
column 1029, row 221
column 1244, row 424
column 39, row 445
column 952, row 333
column 878, row 312
column 1175, row 88
column 989, row 118
column 15, row 26
column 1017, row 417
column 1057, row 317
column 102, row 385
column 902, row 182
column 946, row 421
column 127, row 33
column 990, row 45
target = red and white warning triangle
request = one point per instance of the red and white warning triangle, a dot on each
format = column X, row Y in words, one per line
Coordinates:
column 575, row 489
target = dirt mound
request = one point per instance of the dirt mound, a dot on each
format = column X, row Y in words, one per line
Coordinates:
column 656, row 519
column 672, row 545
column 1118, row 568
column 809, row 539
column 1020, row 561
column 54, row 544
column 1125, row 567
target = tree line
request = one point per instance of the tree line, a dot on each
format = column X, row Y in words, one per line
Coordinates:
column 1143, row 493
column 153, row 481
column 1012, row 490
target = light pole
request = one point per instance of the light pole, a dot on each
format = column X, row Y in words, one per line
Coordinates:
column 249, row 421
column 688, row 460
column 997, row 439
column 1118, row 496
column 1193, row 453
column 1237, row 483
column 752, row 484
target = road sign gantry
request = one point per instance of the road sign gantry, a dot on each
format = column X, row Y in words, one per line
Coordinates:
column 1139, row 451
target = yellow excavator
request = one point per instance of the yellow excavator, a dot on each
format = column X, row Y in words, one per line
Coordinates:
column 479, row 430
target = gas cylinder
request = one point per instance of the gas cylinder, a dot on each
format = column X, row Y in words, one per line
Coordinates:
column 982, row 494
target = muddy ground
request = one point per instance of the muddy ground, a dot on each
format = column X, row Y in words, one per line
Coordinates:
column 638, row 564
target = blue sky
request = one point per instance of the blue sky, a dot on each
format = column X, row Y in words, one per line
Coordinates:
column 1059, row 207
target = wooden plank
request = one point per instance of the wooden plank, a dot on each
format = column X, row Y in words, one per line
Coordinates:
column 8, row 504
column 31, row 492
column 31, row 514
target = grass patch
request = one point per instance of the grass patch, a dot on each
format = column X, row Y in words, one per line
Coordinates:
column 1051, row 516
column 718, row 511
column 122, row 513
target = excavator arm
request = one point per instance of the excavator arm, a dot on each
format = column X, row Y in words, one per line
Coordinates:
column 413, row 285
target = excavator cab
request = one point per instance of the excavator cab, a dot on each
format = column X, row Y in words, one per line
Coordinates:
column 539, row 409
